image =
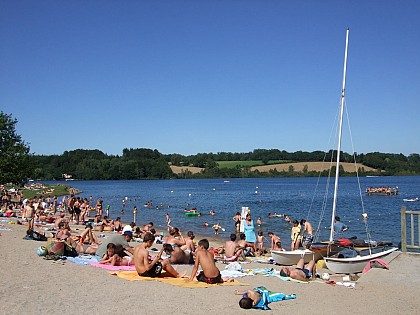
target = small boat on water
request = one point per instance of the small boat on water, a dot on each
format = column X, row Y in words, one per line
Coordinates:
column 192, row 213
column 411, row 200
column 381, row 191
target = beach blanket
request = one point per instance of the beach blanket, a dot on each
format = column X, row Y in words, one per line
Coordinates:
column 181, row 282
column 83, row 259
column 233, row 274
column 112, row 268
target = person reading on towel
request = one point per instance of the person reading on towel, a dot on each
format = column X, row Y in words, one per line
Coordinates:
column 300, row 272
column 147, row 267
column 210, row 273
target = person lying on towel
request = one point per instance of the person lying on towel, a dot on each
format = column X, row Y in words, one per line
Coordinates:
column 260, row 297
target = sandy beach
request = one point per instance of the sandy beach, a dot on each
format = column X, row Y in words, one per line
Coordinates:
column 31, row 285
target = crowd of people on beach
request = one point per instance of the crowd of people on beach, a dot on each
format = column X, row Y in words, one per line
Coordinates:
column 60, row 221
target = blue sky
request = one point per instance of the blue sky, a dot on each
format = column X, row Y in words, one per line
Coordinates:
column 210, row 76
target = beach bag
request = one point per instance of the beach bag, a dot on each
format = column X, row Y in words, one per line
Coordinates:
column 70, row 251
column 55, row 247
column 38, row 236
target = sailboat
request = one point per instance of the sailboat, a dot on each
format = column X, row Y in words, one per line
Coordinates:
column 352, row 264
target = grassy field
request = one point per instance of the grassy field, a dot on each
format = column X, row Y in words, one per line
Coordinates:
column 233, row 164
column 44, row 190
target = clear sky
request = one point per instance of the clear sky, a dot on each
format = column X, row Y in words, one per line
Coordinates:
column 197, row 76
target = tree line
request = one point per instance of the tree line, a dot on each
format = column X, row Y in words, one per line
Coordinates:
column 17, row 164
column 146, row 163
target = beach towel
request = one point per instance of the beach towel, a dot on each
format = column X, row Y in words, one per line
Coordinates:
column 291, row 279
column 112, row 268
column 83, row 259
column 377, row 263
column 268, row 297
column 180, row 282
column 233, row 274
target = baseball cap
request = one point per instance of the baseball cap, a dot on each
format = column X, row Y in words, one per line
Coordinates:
column 128, row 233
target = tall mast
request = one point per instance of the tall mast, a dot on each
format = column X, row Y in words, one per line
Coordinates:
column 337, row 170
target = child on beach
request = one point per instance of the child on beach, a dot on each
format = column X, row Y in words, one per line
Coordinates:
column 110, row 257
column 275, row 241
column 295, row 235
column 204, row 258
column 260, row 297
column 260, row 243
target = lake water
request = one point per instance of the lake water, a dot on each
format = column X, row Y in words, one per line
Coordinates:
column 297, row 197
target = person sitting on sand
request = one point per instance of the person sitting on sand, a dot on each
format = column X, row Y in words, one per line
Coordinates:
column 59, row 220
column 177, row 256
column 189, row 242
column 275, row 241
column 118, row 225
column 175, row 237
column 260, row 297
column 248, row 248
column 119, row 241
column 146, row 267
column 232, row 250
column 63, row 233
column 88, row 237
column 300, row 272
column 205, row 259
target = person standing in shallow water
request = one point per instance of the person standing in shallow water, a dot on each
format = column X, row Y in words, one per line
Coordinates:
column 237, row 219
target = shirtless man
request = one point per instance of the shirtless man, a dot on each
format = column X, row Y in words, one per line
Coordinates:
column 177, row 256
column 307, row 232
column 275, row 241
column 232, row 250
column 70, row 206
column 300, row 273
column 210, row 273
column 151, row 268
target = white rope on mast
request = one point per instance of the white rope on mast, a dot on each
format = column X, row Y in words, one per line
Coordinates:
column 358, row 182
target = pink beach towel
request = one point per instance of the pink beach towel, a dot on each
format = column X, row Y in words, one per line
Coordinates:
column 112, row 268
column 374, row 262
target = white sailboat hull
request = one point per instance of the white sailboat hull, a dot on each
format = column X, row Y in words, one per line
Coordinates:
column 353, row 264
column 288, row 258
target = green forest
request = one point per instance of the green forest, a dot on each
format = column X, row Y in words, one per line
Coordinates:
column 17, row 164
column 151, row 164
